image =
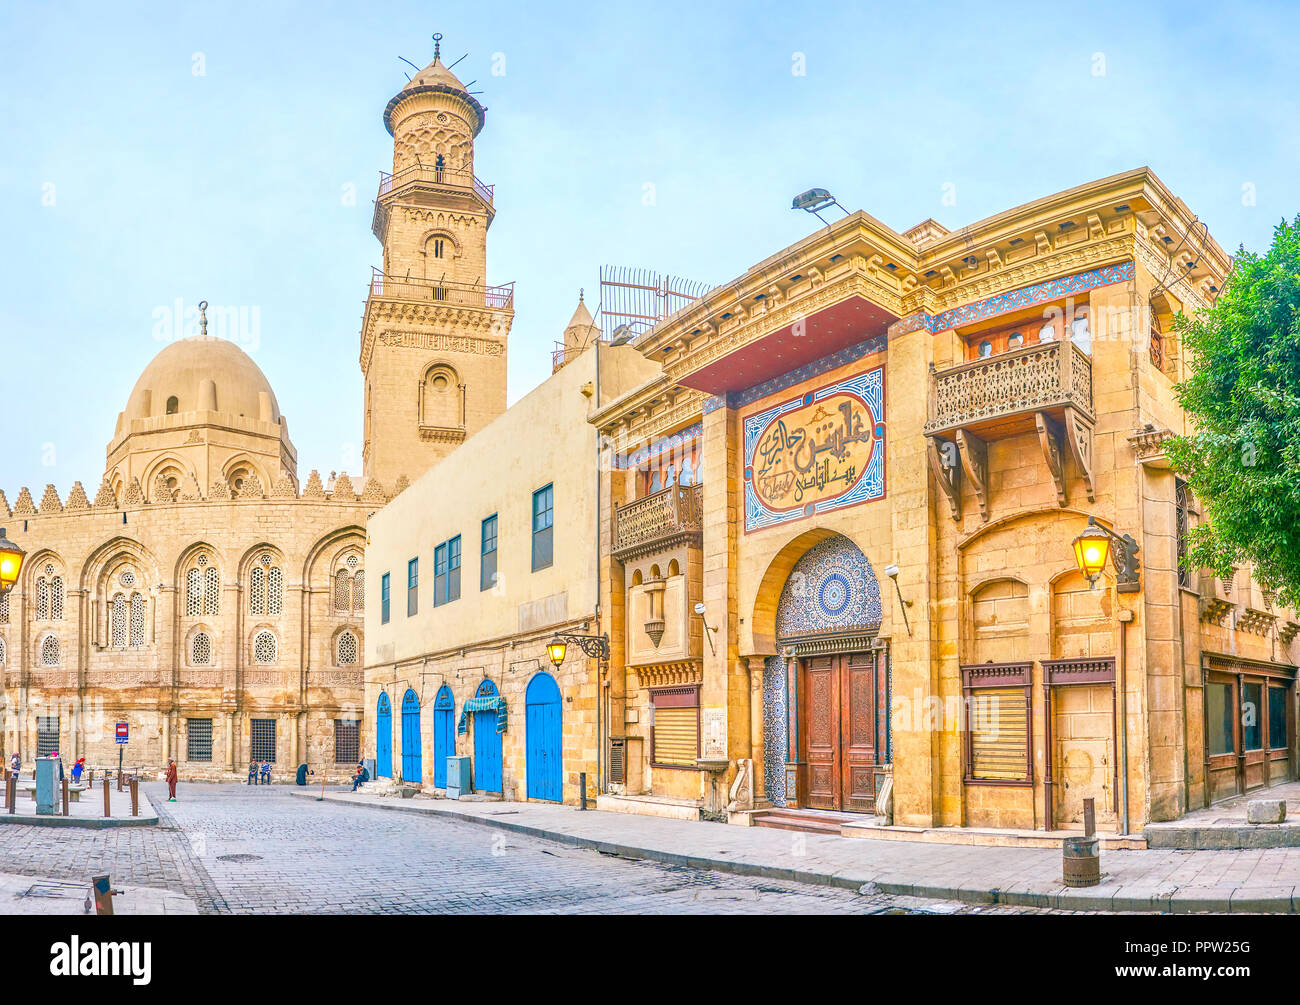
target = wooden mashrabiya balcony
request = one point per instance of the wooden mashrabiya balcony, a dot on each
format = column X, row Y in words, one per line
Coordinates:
column 661, row 520
column 1044, row 388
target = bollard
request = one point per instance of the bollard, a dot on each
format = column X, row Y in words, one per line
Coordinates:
column 582, row 790
column 103, row 887
column 65, row 797
column 1089, row 818
column 107, row 795
column 135, row 796
column 11, row 792
column 119, row 779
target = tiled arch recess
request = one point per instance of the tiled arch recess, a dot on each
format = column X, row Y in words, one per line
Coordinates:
column 832, row 590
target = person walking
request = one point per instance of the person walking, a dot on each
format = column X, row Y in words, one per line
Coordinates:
column 77, row 770
column 171, row 779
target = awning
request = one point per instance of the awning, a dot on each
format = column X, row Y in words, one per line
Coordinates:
column 495, row 704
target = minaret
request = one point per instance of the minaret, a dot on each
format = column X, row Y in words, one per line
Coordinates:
column 433, row 340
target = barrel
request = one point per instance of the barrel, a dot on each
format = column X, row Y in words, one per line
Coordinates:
column 1080, row 862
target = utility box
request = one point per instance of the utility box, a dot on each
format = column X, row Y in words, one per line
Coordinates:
column 47, row 777
column 459, row 779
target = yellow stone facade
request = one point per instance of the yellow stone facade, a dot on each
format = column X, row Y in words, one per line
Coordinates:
column 1011, row 388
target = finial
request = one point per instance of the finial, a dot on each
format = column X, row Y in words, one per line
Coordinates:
column 580, row 293
column 437, row 44
column 203, row 319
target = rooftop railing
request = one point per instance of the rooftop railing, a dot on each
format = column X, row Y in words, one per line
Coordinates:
column 441, row 291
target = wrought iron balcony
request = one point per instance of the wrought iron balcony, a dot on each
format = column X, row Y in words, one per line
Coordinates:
column 1002, row 393
column 668, row 517
column 435, row 291
column 424, row 176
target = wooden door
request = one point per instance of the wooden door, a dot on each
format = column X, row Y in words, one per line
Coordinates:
column 1085, row 766
column 384, row 737
column 543, row 738
column 822, row 732
column 1253, row 717
column 1222, row 742
column 858, row 732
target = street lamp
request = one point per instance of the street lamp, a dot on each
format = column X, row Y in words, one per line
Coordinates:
column 595, row 646
column 556, row 649
column 11, row 563
column 1098, row 544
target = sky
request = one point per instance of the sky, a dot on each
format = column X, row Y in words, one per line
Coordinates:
column 156, row 155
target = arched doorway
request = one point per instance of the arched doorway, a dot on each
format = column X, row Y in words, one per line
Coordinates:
column 412, row 769
column 384, row 737
column 827, row 617
column 542, row 728
column 487, row 744
column 444, row 739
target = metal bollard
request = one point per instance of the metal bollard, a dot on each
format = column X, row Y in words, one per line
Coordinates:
column 11, row 792
column 135, row 796
column 582, row 790
column 107, row 795
column 65, row 797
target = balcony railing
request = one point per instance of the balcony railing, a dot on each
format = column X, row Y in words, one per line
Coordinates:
column 660, row 520
column 1036, row 378
column 436, row 291
column 449, row 177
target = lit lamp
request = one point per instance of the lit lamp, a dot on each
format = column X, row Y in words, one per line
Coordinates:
column 556, row 649
column 595, row 646
column 1097, row 545
column 11, row 563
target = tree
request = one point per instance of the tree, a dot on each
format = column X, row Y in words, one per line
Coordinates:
column 1242, row 459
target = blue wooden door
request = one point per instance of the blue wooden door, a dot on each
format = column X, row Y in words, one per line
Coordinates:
column 444, row 735
column 411, row 761
column 487, row 744
column 384, row 738
column 542, row 727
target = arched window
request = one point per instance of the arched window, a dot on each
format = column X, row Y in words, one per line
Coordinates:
column 137, row 620
column 346, row 650
column 441, row 398
column 359, row 591
column 211, row 590
column 4, row 608
column 117, row 618
column 264, row 647
column 237, row 479
column 173, row 405
column 257, row 591
column 201, row 649
column 437, row 247
column 275, row 589
column 49, row 651
column 986, row 349
column 193, row 593
column 266, row 588
column 342, row 592
column 49, row 596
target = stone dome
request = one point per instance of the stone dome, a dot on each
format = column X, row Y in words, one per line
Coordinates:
column 203, row 374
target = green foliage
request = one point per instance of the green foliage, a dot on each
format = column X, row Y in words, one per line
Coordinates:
column 1243, row 398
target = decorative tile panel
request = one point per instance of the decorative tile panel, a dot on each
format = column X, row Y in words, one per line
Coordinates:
column 832, row 590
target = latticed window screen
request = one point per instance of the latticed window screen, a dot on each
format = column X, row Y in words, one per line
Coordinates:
column 347, row 650
column 264, row 647
column 201, row 649
column 359, row 592
column 137, row 620
column 257, row 591
column 198, row 734
column 117, row 622
column 56, row 598
column 347, row 741
column 3, row 652
column 212, row 590
column 47, row 735
column 999, row 725
column 675, row 735
column 1182, row 521
column 262, row 740
column 50, row 651
column 342, row 593
column 42, row 599
column 4, row 609
column 193, row 593
column 275, row 579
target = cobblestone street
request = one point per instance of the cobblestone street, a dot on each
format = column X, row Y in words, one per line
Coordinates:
column 235, row 849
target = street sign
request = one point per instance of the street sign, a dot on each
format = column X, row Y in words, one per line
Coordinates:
column 123, row 732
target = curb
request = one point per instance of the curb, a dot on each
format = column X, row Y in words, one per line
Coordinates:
column 1161, row 900
column 89, row 823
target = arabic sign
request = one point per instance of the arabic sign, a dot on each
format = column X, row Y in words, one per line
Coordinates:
column 821, row 451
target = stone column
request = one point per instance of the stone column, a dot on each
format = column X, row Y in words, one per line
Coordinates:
column 756, row 666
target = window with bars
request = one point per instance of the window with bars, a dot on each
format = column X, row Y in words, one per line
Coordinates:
column 49, row 651
column 543, row 527
column 346, row 650
column 487, row 566
column 201, row 649
column 198, row 733
column 47, row 735
column 264, row 646
column 1182, row 525
column 347, row 741
column 261, row 740
column 675, row 728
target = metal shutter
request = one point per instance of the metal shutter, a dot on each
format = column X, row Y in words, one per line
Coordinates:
column 999, row 734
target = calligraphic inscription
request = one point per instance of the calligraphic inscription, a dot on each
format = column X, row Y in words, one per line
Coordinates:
column 821, row 451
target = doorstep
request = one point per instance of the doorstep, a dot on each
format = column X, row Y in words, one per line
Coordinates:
column 650, row 806
column 986, row 836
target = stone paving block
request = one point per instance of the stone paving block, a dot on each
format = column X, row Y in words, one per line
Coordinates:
column 1262, row 900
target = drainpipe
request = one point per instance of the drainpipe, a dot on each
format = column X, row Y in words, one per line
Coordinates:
column 1125, row 617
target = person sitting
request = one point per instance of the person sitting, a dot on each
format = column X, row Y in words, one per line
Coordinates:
column 361, row 777
column 252, row 772
column 266, row 772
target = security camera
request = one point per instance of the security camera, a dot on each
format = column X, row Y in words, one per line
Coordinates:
column 891, row 571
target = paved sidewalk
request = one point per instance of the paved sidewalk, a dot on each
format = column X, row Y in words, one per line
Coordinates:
column 37, row 895
column 1246, row 881
column 88, row 811
column 1224, row 825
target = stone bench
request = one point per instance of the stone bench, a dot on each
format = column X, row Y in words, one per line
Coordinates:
column 74, row 791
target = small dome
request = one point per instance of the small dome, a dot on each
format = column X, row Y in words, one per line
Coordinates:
column 435, row 73
column 202, row 374
column 436, row 77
